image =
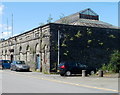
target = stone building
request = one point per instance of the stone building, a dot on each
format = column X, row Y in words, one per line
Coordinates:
column 79, row 37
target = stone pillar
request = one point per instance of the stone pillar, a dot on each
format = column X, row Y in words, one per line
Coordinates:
column 84, row 73
column 100, row 74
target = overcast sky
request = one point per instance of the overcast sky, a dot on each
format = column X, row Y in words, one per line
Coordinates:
column 28, row 15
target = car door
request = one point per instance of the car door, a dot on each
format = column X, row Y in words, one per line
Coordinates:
column 80, row 67
column 13, row 67
column 7, row 64
column 74, row 68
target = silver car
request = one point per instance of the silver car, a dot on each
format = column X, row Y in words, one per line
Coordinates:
column 19, row 65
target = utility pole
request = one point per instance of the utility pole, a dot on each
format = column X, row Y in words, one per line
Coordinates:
column 2, row 40
column 14, row 44
column 8, row 36
column 58, row 47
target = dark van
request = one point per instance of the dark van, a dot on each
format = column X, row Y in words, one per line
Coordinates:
column 5, row 64
column 69, row 68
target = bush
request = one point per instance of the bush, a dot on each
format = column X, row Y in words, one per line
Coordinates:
column 104, row 67
column 114, row 64
column 115, row 61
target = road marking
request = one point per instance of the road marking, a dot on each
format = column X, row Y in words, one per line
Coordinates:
column 63, row 82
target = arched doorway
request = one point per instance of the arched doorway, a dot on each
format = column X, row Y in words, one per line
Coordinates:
column 38, row 63
column 38, row 58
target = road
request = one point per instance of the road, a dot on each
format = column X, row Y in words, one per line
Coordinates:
column 35, row 82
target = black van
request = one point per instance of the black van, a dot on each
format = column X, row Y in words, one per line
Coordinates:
column 69, row 68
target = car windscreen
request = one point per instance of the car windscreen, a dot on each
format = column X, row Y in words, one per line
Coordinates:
column 20, row 62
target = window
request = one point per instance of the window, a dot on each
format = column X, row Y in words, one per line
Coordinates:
column 36, row 35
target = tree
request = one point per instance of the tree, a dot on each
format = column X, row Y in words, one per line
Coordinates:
column 49, row 19
column 114, row 63
column 41, row 24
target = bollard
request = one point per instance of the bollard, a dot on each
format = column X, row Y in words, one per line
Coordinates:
column 84, row 73
column 119, row 74
column 100, row 74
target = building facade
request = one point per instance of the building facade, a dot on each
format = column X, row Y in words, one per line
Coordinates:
column 78, row 37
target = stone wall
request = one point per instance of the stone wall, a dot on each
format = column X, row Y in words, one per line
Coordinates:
column 27, row 47
column 88, row 45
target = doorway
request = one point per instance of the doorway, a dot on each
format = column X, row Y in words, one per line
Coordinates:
column 38, row 62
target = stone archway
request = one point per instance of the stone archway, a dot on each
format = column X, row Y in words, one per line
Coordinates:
column 38, row 58
column 46, row 58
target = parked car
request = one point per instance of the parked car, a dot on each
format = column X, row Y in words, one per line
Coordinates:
column 0, row 65
column 5, row 64
column 19, row 65
column 68, row 68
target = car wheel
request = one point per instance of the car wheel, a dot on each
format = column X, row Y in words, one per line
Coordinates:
column 68, row 73
column 2, row 68
column 28, row 70
column 14, row 69
column 11, row 69
column 92, row 72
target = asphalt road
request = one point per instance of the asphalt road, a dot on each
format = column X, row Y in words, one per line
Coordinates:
column 0, row 82
column 35, row 82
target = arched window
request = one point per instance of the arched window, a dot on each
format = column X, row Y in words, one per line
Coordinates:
column 28, row 48
column 37, row 48
column 20, row 49
column 28, row 53
column 5, row 51
column 2, row 52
